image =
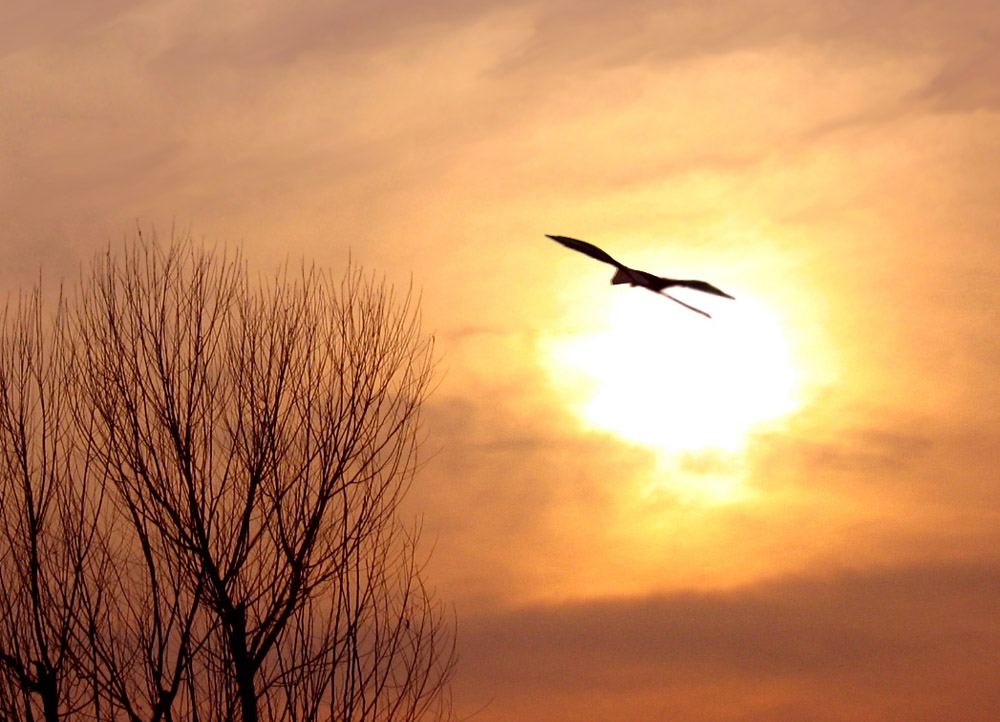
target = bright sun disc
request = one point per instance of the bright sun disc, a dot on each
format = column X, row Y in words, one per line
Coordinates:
column 676, row 381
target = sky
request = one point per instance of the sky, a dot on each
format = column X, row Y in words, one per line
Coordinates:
column 788, row 512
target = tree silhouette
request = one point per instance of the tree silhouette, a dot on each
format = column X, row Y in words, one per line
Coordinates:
column 254, row 442
column 49, row 501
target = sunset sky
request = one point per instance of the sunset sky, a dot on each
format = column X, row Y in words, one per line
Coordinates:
column 788, row 513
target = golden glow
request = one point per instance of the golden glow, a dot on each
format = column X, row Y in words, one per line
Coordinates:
column 664, row 377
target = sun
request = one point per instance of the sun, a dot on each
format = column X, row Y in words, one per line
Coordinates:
column 657, row 375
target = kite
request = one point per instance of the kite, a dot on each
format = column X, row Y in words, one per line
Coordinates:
column 635, row 277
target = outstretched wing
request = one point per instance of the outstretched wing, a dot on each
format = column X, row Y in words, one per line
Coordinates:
column 658, row 283
column 586, row 248
column 702, row 286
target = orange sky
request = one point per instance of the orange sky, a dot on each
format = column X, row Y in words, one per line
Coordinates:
column 806, row 524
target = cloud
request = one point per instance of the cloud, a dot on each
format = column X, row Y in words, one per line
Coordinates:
column 23, row 25
column 275, row 34
column 926, row 638
column 506, row 470
column 356, row 105
column 967, row 81
column 868, row 485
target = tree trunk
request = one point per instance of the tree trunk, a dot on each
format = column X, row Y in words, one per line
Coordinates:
column 48, row 690
column 242, row 664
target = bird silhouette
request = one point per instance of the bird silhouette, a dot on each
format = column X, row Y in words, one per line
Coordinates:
column 635, row 277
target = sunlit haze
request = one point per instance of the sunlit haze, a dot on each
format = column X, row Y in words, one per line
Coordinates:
column 672, row 381
column 788, row 511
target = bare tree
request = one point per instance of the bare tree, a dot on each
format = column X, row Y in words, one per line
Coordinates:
column 257, row 440
column 49, row 503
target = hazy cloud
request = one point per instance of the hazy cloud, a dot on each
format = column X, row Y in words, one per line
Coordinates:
column 51, row 21
column 879, row 638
